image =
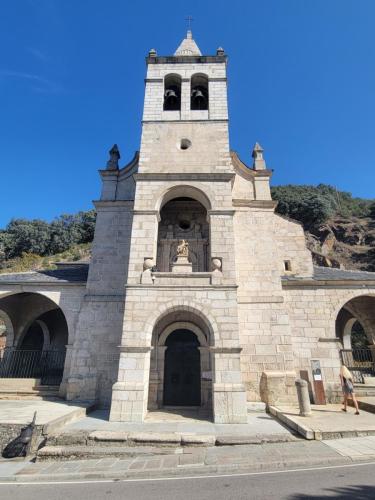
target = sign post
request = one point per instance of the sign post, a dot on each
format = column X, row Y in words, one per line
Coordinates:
column 320, row 397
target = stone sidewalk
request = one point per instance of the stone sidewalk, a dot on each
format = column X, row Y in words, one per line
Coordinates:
column 182, row 422
column 182, row 462
column 358, row 448
column 326, row 421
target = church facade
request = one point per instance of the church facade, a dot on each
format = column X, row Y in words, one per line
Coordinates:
column 197, row 293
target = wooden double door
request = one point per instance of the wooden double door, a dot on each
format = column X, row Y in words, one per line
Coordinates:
column 182, row 370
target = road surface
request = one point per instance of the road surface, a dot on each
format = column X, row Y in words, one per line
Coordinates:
column 354, row 482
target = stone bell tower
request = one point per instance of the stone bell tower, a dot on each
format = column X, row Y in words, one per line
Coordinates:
column 180, row 293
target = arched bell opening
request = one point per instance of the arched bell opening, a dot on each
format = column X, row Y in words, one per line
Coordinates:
column 199, row 98
column 183, row 219
column 172, row 93
column 355, row 327
column 37, row 348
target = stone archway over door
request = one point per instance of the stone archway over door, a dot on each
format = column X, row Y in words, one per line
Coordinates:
column 182, row 371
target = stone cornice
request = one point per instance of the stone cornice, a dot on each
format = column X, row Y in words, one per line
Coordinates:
column 186, row 59
column 333, row 340
column 23, row 286
column 229, row 213
column 263, row 204
column 225, row 350
column 311, row 283
column 204, row 286
column 141, row 348
column 111, row 204
column 206, row 122
column 185, row 176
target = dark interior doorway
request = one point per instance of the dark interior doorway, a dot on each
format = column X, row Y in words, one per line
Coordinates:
column 182, row 371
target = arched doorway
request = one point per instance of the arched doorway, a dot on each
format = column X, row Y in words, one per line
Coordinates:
column 36, row 346
column 182, row 334
column 355, row 327
column 182, row 370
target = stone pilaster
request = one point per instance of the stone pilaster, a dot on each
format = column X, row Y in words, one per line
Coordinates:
column 229, row 395
column 130, row 392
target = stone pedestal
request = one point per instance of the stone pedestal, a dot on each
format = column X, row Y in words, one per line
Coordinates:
column 182, row 265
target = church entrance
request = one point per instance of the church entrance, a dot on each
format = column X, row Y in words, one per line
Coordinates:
column 182, row 370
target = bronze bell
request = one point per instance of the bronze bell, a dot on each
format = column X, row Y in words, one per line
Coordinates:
column 170, row 94
column 197, row 94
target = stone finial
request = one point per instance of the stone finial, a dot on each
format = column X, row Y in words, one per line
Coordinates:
column 152, row 53
column 114, row 156
column 258, row 163
column 220, row 51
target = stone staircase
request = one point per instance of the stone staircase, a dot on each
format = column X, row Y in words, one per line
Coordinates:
column 364, row 390
column 26, row 388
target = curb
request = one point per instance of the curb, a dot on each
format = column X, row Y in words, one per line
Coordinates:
column 304, row 431
column 316, row 434
column 197, row 470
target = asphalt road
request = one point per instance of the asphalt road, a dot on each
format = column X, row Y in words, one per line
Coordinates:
column 344, row 483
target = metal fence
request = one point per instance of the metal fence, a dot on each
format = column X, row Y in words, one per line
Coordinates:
column 360, row 362
column 23, row 363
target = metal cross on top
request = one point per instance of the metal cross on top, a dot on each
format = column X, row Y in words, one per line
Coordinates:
column 189, row 20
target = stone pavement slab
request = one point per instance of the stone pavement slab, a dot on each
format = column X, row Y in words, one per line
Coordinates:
column 191, row 461
column 22, row 411
column 168, row 422
column 355, row 448
column 327, row 421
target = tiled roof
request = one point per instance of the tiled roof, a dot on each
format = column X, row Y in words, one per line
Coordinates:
column 75, row 274
column 332, row 274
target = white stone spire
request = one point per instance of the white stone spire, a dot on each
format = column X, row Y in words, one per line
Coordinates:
column 188, row 47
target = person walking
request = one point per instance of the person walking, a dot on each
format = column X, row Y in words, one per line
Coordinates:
column 348, row 388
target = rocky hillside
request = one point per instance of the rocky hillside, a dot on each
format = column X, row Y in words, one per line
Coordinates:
column 339, row 229
column 348, row 243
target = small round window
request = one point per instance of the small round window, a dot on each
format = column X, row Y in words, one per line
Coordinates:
column 185, row 144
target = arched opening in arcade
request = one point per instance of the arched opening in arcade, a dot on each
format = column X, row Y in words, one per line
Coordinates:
column 35, row 339
column 181, row 365
column 355, row 327
column 183, row 220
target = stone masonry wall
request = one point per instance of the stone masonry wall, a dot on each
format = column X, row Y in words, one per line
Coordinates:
column 313, row 311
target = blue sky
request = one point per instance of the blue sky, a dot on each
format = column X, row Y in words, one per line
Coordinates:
column 301, row 82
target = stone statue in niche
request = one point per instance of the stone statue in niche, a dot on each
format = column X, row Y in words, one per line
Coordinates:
column 183, row 248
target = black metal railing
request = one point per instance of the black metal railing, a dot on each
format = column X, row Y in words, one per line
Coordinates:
column 360, row 362
column 23, row 363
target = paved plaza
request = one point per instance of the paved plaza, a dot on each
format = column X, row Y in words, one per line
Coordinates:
column 327, row 421
column 22, row 411
column 258, row 424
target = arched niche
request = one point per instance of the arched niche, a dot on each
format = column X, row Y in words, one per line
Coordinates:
column 183, row 218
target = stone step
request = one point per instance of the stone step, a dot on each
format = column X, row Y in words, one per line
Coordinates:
column 87, row 452
column 27, row 396
column 114, row 439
